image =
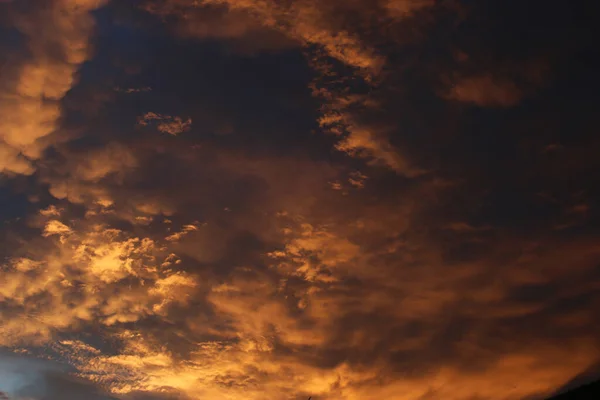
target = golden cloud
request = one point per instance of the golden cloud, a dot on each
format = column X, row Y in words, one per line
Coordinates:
column 486, row 91
column 58, row 41
column 77, row 279
column 342, row 312
column 166, row 123
column 303, row 21
column 263, row 282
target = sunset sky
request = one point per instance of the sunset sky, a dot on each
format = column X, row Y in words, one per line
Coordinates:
column 277, row 199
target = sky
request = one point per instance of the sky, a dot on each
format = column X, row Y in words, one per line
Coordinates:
column 284, row 199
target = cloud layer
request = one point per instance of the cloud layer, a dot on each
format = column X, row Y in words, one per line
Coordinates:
column 244, row 199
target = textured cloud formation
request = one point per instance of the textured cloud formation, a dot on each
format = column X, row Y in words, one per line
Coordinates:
column 385, row 199
column 332, row 33
column 57, row 35
column 78, row 278
column 166, row 123
column 304, row 21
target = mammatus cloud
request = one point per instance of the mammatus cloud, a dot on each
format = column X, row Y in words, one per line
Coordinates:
column 58, row 34
column 84, row 178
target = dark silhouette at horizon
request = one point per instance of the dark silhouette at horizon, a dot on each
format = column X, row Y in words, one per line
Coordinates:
column 590, row 391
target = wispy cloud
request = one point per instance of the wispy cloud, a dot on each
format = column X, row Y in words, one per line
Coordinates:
column 166, row 123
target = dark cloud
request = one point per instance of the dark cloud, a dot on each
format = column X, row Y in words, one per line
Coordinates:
column 61, row 386
column 25, row 377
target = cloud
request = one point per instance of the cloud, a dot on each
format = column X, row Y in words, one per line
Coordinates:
column 166, row 124
column 464, row 227
column 30, row 378
column 184, row 231
column 404, row 8
column 133, row 90
column 12, row 162
column 302, row 21
column 333, row 310
column 242, row 32
column 315, row 335
column 58, row 43
column 333, row 44
column 358, row 138
column 486, row 91
column 82, row 178
column 337, row 224
column 73, row 281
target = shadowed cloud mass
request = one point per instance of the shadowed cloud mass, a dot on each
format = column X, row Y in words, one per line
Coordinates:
column 250, row 199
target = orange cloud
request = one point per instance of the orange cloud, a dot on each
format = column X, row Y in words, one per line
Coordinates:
column 77, row 280
column 281, row 334
column 316, row 25
column 486, row 91
column 345, row 303
column 407, row 289
column 184, row 231
column 303, row 21
column 82, row 179
column 166, row 124
column 404, row 8
column 358, row 138
column 58, row 41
